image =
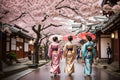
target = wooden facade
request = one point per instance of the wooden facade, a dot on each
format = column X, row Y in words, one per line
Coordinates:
column 19, row 45
column 112, row 27
column 102, row 41
column 17, row 42
column 2, row 46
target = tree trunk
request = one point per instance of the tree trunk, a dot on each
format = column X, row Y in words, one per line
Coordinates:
column 36, row 48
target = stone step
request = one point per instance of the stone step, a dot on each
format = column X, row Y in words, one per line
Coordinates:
column 14, row 69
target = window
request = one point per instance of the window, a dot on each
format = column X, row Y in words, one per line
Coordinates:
column 13, row 44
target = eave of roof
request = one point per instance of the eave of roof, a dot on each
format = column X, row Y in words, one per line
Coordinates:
column 114, row 20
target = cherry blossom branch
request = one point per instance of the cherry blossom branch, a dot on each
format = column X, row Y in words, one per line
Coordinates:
column 73, row 9
column 33, row 28
column 72, row 18
column 37, row 33
column 5, row 12
column 46, row 16
column 51, row 25
column 31, row 17
column 82, row 2
column 45, row 36
column 59, row 3
column 21, row 15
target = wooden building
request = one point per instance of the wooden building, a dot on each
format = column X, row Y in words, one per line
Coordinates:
column 2, row 46
column 110, row 33
column 17, row 42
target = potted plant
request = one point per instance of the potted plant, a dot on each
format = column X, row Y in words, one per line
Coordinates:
column 11, row 56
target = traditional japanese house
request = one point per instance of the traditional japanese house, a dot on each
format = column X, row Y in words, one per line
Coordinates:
column 112, row 27
column 109, row 32
column 17, row 41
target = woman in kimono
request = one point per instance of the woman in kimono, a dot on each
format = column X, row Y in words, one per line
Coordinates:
column 88, row 52
column 54, row 52
column 69, row 54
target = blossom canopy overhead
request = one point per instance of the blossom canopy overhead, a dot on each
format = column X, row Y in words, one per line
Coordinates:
column 26, row 13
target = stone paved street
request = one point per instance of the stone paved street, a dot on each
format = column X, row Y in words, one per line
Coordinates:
column 44, row 74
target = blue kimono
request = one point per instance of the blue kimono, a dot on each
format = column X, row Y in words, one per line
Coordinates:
column 88, row 55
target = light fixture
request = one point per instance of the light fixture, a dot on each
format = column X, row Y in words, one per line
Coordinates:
column 112, row 35
column 31, row 42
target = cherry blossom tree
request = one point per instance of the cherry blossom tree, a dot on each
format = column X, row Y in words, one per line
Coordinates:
column 38, row 15
column 28, row 11
column 39, row 39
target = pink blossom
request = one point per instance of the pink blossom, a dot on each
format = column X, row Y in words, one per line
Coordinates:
column 107, row 7
column 116, row 8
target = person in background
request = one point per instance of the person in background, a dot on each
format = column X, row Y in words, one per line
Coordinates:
column 46, row 50
column 78, row 52
column 54, row 52
column 82, row 42
column 109, row 52
column 88, row 53
column 29, row 55
column 69, row 52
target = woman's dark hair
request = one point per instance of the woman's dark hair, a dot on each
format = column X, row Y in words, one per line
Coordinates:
column 55, row 38
column 88, row 38
column 82, row 41
column 70, row 38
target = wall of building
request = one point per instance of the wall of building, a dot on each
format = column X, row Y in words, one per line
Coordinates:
column 104, row 42
column 115, row 43
column 3, row 46
column 102, row 45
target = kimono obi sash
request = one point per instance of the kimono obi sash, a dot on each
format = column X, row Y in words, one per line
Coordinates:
column 89, row 48
column 55, row 49
column 69, row 49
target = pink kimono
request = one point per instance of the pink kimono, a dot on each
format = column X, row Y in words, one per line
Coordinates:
column 54, row 52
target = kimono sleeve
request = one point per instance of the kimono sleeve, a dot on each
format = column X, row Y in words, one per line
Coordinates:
column 94, row 52
column 65, row 50
column 50, row 51
column 60, row 51
column 74, row 51
column 83, row 51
